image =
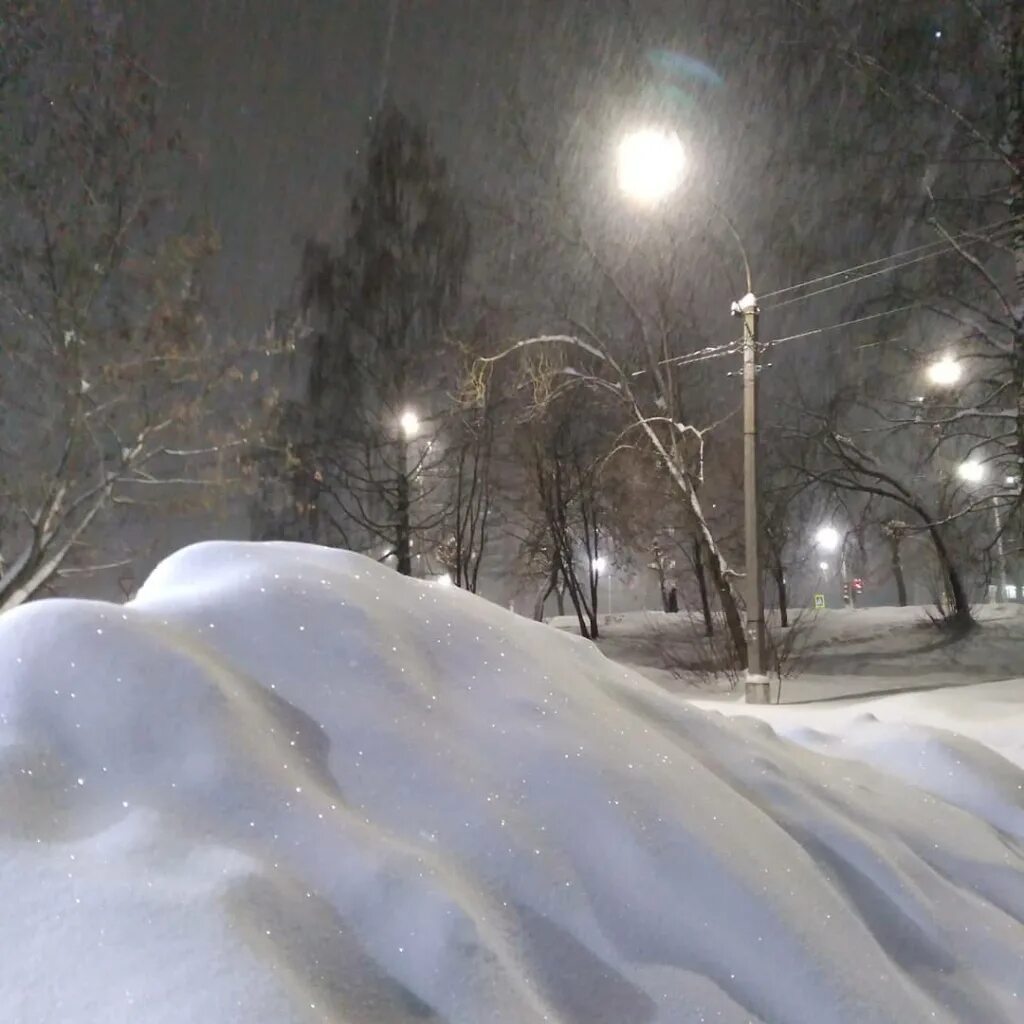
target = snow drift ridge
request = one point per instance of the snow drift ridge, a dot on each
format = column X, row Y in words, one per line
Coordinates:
column 285, row 784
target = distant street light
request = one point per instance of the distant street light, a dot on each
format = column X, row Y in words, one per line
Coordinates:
column 444, row 580
column 651, row 162
column 410, row 424
column 972, row 471
column 597, row 567
column 827, row 538
column 945, row 372
column 823, row 566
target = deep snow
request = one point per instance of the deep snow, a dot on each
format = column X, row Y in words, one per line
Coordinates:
column 836, row 653
column 285, row 784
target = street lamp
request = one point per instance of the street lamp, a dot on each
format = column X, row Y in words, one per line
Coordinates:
column 974, row 472
column 651, row 163
column 597, row 567
column 945, row 372
column 827, row 538
column 410, row 424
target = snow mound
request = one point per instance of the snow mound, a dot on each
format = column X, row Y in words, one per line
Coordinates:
column 286, row 785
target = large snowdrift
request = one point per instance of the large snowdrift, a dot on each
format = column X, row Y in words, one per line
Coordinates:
column 286, row 785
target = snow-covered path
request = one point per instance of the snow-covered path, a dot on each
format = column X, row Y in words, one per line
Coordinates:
column 286, row 784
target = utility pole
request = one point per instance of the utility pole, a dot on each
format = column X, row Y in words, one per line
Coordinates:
column 1004, row 582
column 757, row 686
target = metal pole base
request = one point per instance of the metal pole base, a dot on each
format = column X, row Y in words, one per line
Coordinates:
column 758, row 691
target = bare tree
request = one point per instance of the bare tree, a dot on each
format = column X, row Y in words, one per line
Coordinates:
column 107, row 367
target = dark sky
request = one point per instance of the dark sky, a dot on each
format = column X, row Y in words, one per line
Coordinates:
column 274, row 98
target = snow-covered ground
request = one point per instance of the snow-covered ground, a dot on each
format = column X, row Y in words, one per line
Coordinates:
column 834, row 655
column 287, row 785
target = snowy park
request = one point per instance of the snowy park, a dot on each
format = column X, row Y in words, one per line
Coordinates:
column 285, row 784
column 512, row 512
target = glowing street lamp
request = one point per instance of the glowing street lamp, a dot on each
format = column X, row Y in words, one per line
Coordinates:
column 597, row 567
column 651, row 163
column 827, row 538
column 972, row 471
column 410, row 424
column 823, row 566
column 945, row 372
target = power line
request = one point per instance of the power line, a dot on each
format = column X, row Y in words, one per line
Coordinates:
column 732, row 347
column 938, row 248
column 844, row 323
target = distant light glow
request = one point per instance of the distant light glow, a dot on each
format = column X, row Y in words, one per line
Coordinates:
column 651, row 162
column 971, row 471
column 827, row 538
column 823, row 566
column 444, row 580
column 945, row 372
column 599, row 564
column 410, row 423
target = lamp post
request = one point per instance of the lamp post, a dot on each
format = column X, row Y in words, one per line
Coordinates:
column 597, row 567
column 829, row 540
column 409, row 426
column 974, row 472
column 651, row 162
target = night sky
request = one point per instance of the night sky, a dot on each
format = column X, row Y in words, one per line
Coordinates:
column 274, row 100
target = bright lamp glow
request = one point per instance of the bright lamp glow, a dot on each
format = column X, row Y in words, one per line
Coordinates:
column 971, row 471
column 444, row 580
column 598, row 564
column 827, row 538
column 945, row 372
column 651, row 163
column 410, row 423
column 823, row 566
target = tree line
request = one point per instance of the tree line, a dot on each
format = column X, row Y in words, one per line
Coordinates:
column 524, row 387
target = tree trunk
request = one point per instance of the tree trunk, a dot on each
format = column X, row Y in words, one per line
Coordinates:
column 719, row 567
column 702, row 586
column 403, row 533
column 544, row 593
column 897, row 573
column 780, row 586
column 960, row 607
column 577, row 605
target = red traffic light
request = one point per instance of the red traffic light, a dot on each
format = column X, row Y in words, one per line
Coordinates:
column 858, row 584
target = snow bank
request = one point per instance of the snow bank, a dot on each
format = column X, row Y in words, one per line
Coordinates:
column 285, row 784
